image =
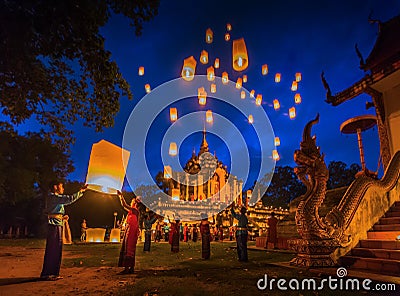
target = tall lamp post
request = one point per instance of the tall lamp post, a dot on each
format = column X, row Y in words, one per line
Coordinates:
column 115, row 218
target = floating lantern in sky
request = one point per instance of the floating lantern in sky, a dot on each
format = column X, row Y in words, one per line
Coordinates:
column 228, row 27
column 294, row 86
column 209, row 36
column 277, row 105
column 175, row 194
column 252, row 93
column 225, row 78
column 141, row 71
column 258, row 100
column 227, row 36
column 277, row 141
column 204, row 57
column 240, row 59
column 167, row 172
column 202, row 94
column 297, row 98
column 278, row 77
column 264, row 69
column 209, row 116
column 210, row 73
column 189, row 68
column 298, row 76
column 213, row 88
column 292, row 113
column 147, row 88
column 216, row 63
column 239, row 83
column 173, row 149
column 173, row 114
column 107, row 166
column 251, row 119
column 242, row 94
column 275, row 155
column 244, row 78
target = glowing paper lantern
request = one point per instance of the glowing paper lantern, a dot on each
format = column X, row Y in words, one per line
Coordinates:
column 258, row 100
column 292, row 113
column 240, row 60
column 239, row 83
column 95, row 235
column 264, row 69
column 277, row 141
column 298, row 76
column 216, row 63
column 225, row 78
column 147, row 88
column 210, row 73
column 173, row 149
column 213, row 88
column 275, row 155
column 115, row 235
column 252, row 93
column 209, row 116
column 244, row 78
column 277, row 105
column 175, row 194
column 173, row 114
column 189, row 68
column 251, row 119
column 242, row 94
column 209, row 36
column 202, row 95
column 294, row 86
column 228, row 27
column 278, row 77
column 141, row 71
column 227, row 37
column 204, row 57
column 297, row 98
column 107, row 167
column 167, row 172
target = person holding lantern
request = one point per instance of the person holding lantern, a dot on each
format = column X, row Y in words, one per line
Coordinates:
column 131, row 235
column 147, row 231
column 174, row 234
column 241, row 233
column 56, row 201
column 205, row 236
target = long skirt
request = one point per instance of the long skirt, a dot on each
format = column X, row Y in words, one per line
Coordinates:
column 175, row 243
column 53, row 253
column 241, row 241
column 128, row 249
column 205, row 246
column 147, row 241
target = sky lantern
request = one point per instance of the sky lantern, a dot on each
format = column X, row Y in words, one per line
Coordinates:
column 227, row 36
column 297, row 98
column 173, row 149
column 239, row 83
column 294, row 86
column 167, row 172
column 277, row 105
column 278, row 77
column 240, row 60
column 147, row 88
column 264, row 69
column 251, row 119
column 244, row 78
column 202, row 94
column 209, row 36
column 275, row 155
column 252, row 93
column 277, row 141
column 175, row 194
column 298, row 76
column 189, row 68
column 225, row 78
column 213, row 88
column 242, row 94
column 204, row 57
column 209, row 116
column 107, row 166
column 292, row 113
column 216, row 63
column 141, row 71
column 259, row 100
column 228, row 27
column 210, row 73
column 173, row 114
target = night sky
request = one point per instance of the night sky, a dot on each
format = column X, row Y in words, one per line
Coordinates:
column 298, row 36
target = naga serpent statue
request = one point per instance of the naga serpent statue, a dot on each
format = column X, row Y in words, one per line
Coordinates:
column 313, row 172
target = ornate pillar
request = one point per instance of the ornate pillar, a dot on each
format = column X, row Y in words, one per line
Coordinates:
column 200, row 182
column 187, row 187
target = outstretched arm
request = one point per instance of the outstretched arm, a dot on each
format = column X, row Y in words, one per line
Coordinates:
column 69, row 199
column 123, row 201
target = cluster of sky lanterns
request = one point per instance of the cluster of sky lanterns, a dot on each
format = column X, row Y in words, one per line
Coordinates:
column 240, row 63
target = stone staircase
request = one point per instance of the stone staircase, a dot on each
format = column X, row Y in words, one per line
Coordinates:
column 380, row 252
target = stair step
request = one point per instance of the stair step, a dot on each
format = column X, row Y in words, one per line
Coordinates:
column 383, row 234
column 379, row 244
column 387, row 227
column 392, row 214
column 387, row 266
column 376, row 253
column 391, row 220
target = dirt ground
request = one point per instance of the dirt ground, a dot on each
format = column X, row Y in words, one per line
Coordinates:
column 20, row 268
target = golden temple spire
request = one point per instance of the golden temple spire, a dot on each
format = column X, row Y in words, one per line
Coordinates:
column 204, row 144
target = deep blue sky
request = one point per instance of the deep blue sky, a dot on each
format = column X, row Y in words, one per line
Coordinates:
column 292, row 36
